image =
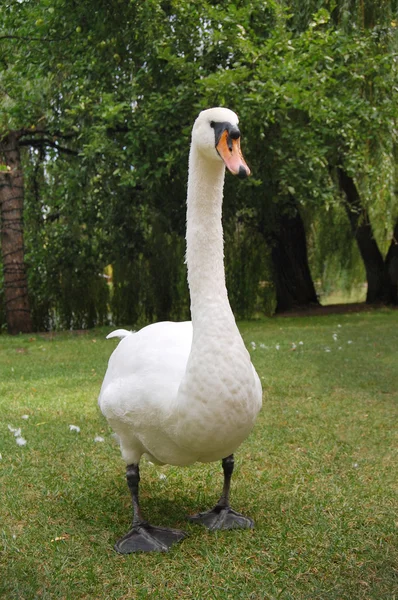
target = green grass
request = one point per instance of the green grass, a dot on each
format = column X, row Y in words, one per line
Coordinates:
column 317, row 475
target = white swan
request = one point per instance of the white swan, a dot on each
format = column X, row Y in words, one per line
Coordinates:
column 187, row 392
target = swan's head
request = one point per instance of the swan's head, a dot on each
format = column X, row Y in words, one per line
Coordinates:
column 216, row 134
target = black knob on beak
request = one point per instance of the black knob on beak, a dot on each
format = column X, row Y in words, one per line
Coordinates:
column 242, row 174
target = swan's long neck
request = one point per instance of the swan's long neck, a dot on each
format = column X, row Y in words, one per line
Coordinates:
column 205, row 245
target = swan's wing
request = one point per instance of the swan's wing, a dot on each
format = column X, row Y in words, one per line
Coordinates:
column 120, row 333
column 139, row 393
column 146, row 369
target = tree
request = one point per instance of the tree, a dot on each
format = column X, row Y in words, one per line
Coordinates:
column 293, row 281
column 357, row 121
column 391, row 269
column 379, row 271
column 103, row 124
column 45, row 107
column 12, row 244
column 26, row 104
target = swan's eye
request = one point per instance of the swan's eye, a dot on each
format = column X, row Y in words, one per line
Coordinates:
column 212, row 123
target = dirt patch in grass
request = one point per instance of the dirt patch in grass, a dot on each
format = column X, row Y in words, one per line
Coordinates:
column 333, row 309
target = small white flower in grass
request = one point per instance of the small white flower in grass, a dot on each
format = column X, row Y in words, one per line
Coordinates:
column 355, row 465
column 253, row 345
column 339, row 325
column 20, row 441
column 98, row 438
column 25, row 417
column 340, row 348
column 335, row 337
column 162, row 476
column 263, row 346
column 293, row 346
column 74, row 428
column 327, row 349
column 349, row 342
column 301, row 343
column 277, row 346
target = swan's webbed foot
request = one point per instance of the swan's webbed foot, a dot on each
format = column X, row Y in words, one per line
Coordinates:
column 144, row 537
column 222, row 517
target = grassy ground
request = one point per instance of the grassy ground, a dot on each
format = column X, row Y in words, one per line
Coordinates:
column 317, row 474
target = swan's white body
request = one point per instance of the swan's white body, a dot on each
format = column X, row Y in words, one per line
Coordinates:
column 187, row 392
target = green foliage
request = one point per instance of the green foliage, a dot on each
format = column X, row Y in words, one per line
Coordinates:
column 63, row 247
column 104, row 95
column 248, row 268
column 334, row 255
column 151, row 285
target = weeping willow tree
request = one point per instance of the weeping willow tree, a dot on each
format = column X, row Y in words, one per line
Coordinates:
column 105, row 126
column 359, row 102
column 335, row 260
column 64, row 245
column 150, row 285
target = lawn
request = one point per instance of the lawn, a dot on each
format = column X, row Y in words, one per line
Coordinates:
column 317, row 474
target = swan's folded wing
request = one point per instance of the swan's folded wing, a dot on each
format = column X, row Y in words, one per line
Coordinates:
column 145, row 370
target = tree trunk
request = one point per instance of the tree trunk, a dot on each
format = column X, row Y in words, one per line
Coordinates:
column 391, row 269
column 292, row 276
column 362, row 231
column 12, row 246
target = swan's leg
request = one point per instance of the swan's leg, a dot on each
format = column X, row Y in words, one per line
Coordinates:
column 143, row 536
column 222, row 516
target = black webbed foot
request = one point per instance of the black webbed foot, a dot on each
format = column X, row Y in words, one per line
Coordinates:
column 222, row 517
column 144, row 537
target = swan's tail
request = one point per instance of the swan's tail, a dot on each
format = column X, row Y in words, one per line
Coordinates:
column 120, row 333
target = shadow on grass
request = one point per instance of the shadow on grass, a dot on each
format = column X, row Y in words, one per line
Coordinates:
column 108, row 506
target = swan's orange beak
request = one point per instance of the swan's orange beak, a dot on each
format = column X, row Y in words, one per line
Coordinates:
column 228, row 148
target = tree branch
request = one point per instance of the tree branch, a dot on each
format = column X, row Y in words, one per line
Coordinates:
column 34, row 39
column 44, row 142
column 111, row 130
column 38, row 131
